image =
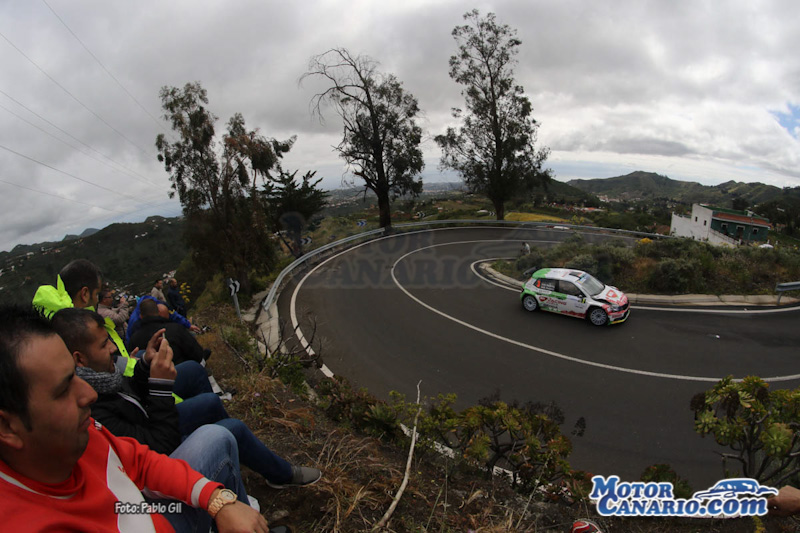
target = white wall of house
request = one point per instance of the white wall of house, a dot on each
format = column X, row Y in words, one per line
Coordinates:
column 720, row 239
column 696, row 226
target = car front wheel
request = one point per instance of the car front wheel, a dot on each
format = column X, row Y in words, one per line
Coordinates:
column 598, row 316
column 529, row 303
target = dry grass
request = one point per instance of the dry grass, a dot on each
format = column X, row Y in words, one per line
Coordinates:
column 533, row 217
column 361, row 474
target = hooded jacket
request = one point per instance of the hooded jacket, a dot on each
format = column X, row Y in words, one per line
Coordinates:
column 53, row 299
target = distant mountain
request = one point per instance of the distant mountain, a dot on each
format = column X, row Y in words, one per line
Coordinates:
column 88, row 232
column 131, row 256
column 650, row 186
column 560, row 192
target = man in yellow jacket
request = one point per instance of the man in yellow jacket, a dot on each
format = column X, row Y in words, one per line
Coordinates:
column 78, row 285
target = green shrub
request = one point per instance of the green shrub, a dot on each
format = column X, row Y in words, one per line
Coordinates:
column 531, row 260
column 575, row 238
column 759, row 426
column 583, row 262
column 526, row 440
column 290, row 372
column 358, row 408
column 676, row 276
column 664, row 472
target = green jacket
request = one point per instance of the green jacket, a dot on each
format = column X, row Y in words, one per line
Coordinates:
column 52, row 299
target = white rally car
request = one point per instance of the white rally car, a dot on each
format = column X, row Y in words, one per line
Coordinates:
column 575, row 293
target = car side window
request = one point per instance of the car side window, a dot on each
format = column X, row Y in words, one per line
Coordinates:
column 569, row 288
column 546, row 284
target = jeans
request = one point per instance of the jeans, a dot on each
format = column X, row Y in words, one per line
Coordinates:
column 208, row 409
column 192, row 379
column 212, row 451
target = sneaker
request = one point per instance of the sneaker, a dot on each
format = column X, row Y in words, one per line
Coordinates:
column 302, row 476
column 585, row 526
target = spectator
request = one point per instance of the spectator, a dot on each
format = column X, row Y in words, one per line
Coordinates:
column 174, row 298
column 134, row 321
column 63, row 471
column 119, row 314
column 141, row 407
column 184, row 345
column 77, row 285
column 157, row 292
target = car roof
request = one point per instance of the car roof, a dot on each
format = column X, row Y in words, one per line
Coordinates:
column 568, row 274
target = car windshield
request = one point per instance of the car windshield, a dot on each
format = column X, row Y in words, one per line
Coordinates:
column 591, row 285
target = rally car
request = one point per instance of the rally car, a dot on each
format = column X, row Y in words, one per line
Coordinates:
column 575, row 293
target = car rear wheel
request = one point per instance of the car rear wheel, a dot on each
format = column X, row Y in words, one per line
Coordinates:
column 598, row 316
column 530, row 303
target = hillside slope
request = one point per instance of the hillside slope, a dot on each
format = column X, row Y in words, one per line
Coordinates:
column 131, row 256
column 650, row 186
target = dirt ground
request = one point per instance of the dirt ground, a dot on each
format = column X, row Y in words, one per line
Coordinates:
column 361, row 474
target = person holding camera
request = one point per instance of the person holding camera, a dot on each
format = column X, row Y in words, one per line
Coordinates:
column 119, row 313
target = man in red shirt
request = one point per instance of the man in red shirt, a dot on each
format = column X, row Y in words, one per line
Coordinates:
column 60, row 470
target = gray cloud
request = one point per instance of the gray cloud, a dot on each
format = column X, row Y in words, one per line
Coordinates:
column 675, row 87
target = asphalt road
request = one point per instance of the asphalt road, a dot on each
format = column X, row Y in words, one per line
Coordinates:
column 411, row 307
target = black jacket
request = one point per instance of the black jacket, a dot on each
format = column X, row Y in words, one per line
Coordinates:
column 144, row 410
column 184, row 346
column 175, row 301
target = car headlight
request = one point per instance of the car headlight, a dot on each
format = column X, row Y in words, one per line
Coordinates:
column 615, row 308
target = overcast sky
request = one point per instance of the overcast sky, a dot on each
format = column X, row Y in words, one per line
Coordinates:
column 699, row 91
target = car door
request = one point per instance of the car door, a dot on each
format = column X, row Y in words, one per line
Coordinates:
column 575, row 303
column 545, row 289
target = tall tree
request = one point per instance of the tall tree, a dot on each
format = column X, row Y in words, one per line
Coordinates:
column 217, row 183
column 381, row 138
column 494, row 149
column 292, row 206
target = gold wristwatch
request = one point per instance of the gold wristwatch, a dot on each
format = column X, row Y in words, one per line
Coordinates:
column 224, row 498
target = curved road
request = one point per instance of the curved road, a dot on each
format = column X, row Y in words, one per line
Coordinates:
column 411, row 307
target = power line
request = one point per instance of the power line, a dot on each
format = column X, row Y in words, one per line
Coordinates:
column 68, row 174
column 37, row 115
column 128, row 174
column 58, row 196
column 159, row 124
column 101, row 119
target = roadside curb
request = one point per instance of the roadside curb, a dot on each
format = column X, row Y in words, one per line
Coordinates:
column 664, row 299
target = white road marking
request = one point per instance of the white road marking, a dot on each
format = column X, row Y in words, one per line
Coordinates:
column 646, row 308
column 329, row 373
column 550, row 352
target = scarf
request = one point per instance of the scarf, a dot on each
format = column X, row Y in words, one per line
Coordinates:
column 102, row 382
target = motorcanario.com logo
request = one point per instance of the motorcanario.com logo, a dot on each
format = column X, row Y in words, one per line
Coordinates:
column 729, row 497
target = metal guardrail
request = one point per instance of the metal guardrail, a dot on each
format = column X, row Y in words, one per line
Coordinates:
column 273, row 291
column 780, row 288
column 547, row 225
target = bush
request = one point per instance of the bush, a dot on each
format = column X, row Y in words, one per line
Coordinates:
column 583, row 262
column 531, row 260
column 670, row 266
column 676, row 276
column 526, row 440
column 215, row 292
column 757, row 424
column 358, row 408
column 664, row 472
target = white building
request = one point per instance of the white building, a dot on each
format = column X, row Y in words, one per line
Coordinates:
column 724, row 227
